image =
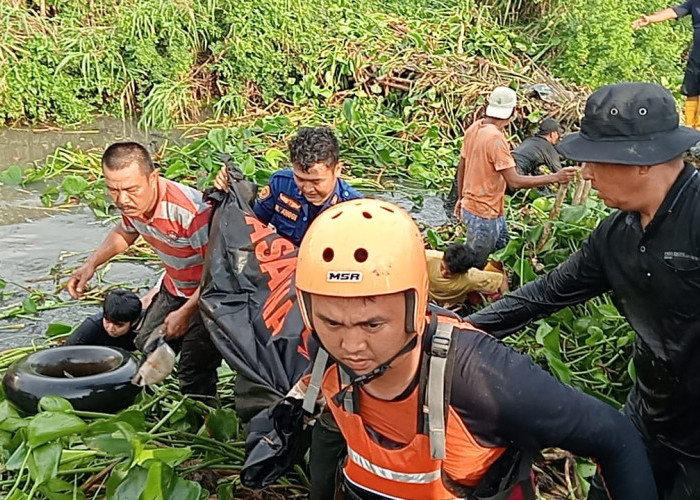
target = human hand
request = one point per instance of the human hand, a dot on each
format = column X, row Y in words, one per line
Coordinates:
column 175, row 324
column 641, row 22
column 221, row 181
column 566, row 174
column 79, row 278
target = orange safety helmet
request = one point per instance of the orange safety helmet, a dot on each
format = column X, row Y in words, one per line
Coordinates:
column 363, row 248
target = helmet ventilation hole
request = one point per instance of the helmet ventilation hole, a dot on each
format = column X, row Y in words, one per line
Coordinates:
column 328, row 254
column 367, row 215
column 388, row 209
column 360, row 255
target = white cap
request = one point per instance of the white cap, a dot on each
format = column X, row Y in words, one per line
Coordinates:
column 501, row 103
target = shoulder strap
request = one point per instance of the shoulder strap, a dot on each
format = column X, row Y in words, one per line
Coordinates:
column 439, row 387
column 314, row 388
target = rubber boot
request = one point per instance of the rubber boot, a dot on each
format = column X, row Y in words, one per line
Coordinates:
column 691, row 112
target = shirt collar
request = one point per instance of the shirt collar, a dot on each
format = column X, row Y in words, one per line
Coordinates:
column 677, row 189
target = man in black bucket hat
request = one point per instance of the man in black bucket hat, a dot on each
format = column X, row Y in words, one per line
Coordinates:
column 648, row 254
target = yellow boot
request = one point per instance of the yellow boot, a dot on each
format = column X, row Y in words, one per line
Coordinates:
column 691, row 112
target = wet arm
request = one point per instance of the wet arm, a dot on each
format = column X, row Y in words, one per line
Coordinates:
column 505, row 399
column 578, row 279
column 116, row 242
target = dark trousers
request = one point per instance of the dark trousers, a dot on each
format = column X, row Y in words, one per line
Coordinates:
column 199, row 358
column 328, row 449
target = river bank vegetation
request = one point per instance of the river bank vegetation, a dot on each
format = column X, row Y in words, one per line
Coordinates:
column 398, row 80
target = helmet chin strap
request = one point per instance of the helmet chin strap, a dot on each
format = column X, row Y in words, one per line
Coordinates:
column 360, row 380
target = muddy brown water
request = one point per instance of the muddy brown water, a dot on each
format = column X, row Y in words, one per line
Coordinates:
column 33, row 239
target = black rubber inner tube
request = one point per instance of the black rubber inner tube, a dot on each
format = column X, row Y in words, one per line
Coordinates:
column 92, row 378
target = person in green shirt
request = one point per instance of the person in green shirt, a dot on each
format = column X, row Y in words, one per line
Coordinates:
column 452, row 275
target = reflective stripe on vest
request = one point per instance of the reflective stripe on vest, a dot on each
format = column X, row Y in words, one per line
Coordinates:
column 401, row 477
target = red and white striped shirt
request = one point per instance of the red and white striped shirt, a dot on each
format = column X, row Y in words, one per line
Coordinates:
column 179, row 232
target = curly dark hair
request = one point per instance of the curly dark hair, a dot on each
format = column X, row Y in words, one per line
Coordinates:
column 460, row 258
column 314, row 145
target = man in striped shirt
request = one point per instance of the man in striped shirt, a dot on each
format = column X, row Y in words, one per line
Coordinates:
column 174, row 220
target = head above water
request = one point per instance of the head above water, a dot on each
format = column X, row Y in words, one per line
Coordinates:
column 131, row 178
column 121, row 310
column 631, row 144
column 314, row 155
column 362, row 281
column 457, row 259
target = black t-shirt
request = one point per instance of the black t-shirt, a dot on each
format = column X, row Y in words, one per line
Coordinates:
column 692, row 8
column 314, row 210
column 92, row 332
column 654, row 274
column 533, row 152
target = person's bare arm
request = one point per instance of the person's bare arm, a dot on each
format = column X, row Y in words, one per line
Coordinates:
column 656, row 17
column 460, row 182
column 115, row 243
column 517, row 181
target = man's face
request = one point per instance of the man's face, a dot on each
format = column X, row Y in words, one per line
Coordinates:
column 115, row 329
column 617, row 185
column 133, row 191
column 317, row 183
column 361, row 333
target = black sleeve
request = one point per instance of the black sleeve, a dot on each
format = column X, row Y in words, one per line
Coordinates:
column 506, row 400
column 89, row 332
column 550, row 156
column 578, row 279
column 683, row 9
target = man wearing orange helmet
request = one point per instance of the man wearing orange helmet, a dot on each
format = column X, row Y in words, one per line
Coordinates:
column 432, row 408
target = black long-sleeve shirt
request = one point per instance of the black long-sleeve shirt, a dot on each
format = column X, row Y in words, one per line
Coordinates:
column 654, row 274
column 506, row 400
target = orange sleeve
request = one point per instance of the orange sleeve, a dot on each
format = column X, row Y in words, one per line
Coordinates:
column 500, row 156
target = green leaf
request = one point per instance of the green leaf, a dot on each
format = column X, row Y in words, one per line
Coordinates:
column 274, row 156
column 169, row 456
column 9, row 417
column 573, row 214
column 55, row 403
column 217, row 138
column 131, row 487
column 226, row 491
column 176, row 170
column 17, row 495
column 74, row 185
column 56, row 329
column 113, row 438
column 248, row 166
column 17, row 458
column 222, row 424
column 185, row 490
column 3, row 284
column 50, row 425
column 157, row 482
column 43, row 462
column 58, row 489
column 12, row 175
column 558, row 367
column 523, row 268
column 631, row 370
column 349, row 110
column 29, row 305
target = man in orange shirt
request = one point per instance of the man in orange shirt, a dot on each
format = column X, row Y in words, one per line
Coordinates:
column 486, row 168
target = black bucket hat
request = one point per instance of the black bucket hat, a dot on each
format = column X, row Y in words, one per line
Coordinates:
column 629, row 124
